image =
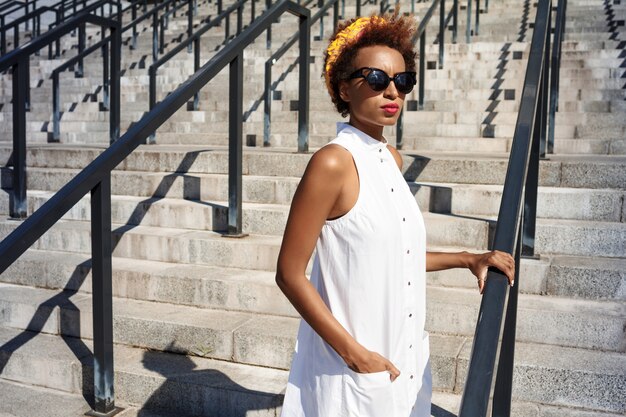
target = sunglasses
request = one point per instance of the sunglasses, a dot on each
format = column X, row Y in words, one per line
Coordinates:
column 378, row 80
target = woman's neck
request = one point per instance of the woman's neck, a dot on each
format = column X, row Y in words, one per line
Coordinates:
column 373, row 131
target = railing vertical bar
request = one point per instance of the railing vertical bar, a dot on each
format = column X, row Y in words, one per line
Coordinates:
column 545, row 78
column 3, row 39
column 239, row 19
column 358, row 8
column 455, row 20
column 235, row 145
column 422, row 70
column 56, row 108
column 106, row 105
column 468, row 29
column 267, row 104
column 190, row 25
column 303, row 74
column 162, row 27
column 503, row 389
column 268, row 40
column 155, row 37
column 400, row 130
column 102, row 297
column 133, row 44
column 442, row 30
column 477, row 18
column 116, row 57
column 19, row 203
column 81, row 47
column 196, row 67
column 530, row 189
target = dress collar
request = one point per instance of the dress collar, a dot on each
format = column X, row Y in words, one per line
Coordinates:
column 368, row 141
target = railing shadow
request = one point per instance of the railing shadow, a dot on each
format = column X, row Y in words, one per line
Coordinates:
column 69, row 313
column 437, row 411
column 184, row 382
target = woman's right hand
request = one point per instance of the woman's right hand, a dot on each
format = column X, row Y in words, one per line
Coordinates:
column 365, row 361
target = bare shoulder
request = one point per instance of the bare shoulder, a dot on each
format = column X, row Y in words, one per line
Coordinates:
column 396, row 156
column 329, row 161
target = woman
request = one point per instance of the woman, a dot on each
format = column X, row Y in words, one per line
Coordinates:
column 362, row 350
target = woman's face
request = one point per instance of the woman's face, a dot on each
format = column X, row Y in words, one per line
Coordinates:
column 371, row 111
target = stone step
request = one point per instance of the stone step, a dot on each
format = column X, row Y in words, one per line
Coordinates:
column 169, row 382
column 552, row 202
column 575, row 171
column 189, row 380
column 267, row 340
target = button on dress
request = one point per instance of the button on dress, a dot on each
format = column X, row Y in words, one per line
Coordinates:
column 370, row 270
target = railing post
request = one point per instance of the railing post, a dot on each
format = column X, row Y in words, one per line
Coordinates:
column 81, row 47
column 18, row 203
column 442, row 30
column 3, row 39
column 422, row 70
column 105, row 77
column 555, row 64
column 267, row 104
column 56, row 108
column 152, row 98
column 268, row 41
column 155, row 37
column 196, row 67
column 400, row 130
column 239, row 19
column 303, row 74
column 235, row 146
column 133, row 43
column 477, row 17
column 543, row 104
column 468, row 29
column 114, row 115
column 190, row 24
column 102, row 299
column 455, row 20
column 503, row 389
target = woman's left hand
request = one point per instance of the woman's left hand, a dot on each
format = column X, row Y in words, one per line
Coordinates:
column 480, row 263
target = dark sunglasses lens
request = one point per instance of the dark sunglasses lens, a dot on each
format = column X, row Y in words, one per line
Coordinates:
column 377, row 80
column 404, row 82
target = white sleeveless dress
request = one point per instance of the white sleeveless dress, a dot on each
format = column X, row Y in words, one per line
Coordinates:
column 370, row 270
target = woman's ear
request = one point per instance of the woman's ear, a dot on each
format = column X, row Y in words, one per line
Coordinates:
column 344, row 91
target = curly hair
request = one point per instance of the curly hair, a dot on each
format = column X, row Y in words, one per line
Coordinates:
column 393, row 31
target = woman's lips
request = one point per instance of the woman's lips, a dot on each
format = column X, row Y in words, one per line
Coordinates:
column 391, row 108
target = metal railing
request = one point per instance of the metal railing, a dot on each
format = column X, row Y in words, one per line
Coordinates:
column 515, row 234
column 420, row 34
column 59, row 9
column 18, row 62
column 194, row 41
column 103, row 44
column 96, row 178
column 273, row 59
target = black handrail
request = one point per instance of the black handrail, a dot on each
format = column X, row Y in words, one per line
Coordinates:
column 18, row 61
column 268, row 88
column 194, row 40
column 96, row 179
column 420, row 34
column 514, row 231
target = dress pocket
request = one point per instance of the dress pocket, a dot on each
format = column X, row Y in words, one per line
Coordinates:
column 367, row 395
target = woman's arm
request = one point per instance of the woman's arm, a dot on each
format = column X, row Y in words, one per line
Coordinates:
column 321, row 195
column 477, row 263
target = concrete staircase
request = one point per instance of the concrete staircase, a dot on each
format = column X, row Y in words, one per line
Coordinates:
column 200, row 327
